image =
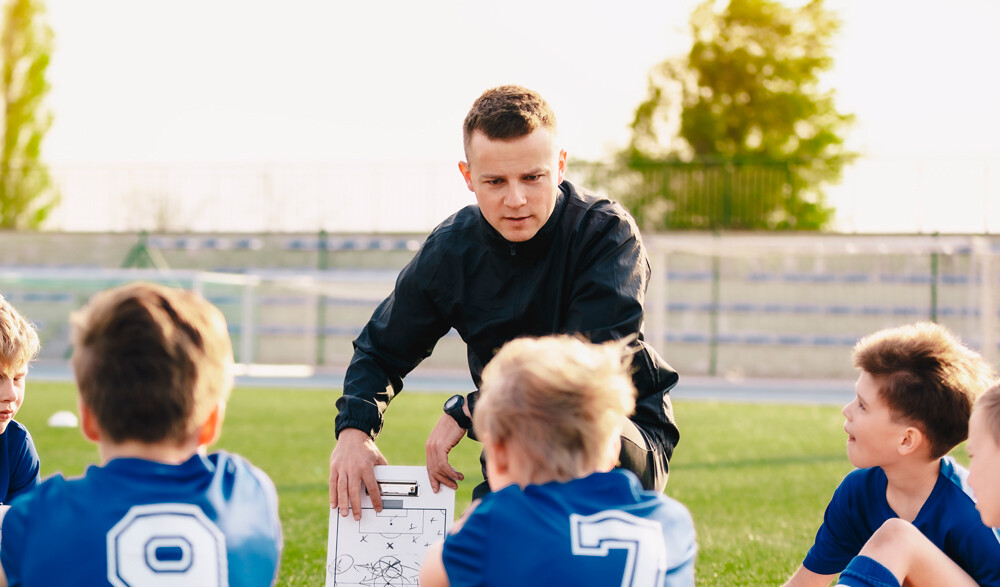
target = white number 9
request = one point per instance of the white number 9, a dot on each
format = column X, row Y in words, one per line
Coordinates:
column 161, row 544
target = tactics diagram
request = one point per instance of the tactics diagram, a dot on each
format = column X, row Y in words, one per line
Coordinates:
column 385, row 548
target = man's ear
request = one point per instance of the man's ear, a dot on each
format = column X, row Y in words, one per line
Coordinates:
column 88, row 423
column 562, row 165
column 212, row 427
column 466, row 174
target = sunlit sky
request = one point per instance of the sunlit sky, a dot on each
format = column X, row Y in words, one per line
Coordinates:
column 249, row 80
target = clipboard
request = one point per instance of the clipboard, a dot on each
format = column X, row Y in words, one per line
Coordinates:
column 388, row 547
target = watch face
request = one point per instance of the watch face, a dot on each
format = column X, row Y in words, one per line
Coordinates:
column 451, row 403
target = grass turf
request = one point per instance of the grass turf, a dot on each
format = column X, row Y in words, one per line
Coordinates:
column 756, row 477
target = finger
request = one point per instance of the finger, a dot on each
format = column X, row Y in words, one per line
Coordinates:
column 333, row 489
column 342, row 495
column 369, row 481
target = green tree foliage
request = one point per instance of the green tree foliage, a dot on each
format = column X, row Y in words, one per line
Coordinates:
column 739, row 133
column 27, row 195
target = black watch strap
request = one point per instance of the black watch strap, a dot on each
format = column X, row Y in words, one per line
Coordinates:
column 453, row 407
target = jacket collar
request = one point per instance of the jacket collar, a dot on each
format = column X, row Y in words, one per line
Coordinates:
column 537, row 244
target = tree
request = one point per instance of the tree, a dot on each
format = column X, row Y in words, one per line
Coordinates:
column 27, row 195
column 747, row 108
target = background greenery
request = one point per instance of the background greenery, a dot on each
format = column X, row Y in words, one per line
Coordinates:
column 756, row 477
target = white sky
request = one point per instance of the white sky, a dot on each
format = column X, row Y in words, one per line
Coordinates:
column 254, row 80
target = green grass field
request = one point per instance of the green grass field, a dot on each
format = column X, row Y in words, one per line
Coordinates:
column 755, row 477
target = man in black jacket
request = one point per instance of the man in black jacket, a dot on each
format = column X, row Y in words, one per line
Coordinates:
column 535, row 256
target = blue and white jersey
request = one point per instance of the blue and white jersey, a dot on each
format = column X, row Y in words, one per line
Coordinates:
column 210, row 521
column 948, row 518
column 18, row 462
column 603, row 529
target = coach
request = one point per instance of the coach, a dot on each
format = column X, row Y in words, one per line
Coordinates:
column 536, row 256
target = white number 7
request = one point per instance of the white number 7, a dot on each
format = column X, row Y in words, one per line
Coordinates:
column 596, row 535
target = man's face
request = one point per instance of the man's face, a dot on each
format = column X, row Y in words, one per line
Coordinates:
column 872, row 436
column 516, row 182
column 984, row 469
column 11, row 396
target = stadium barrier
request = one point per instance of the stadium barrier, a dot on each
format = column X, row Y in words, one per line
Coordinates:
column 728, row 305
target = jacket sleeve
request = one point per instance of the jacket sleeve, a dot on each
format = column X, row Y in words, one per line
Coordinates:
column 607, row 299
column 401, row 332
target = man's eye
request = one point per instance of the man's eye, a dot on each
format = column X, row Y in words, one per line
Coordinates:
column 532, row 177
column 495, row 181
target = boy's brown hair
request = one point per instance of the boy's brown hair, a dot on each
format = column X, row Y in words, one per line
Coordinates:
column 562, row 400
column 507, row 112
column 18, row 340
column 151, row 361
column 927, row 377
column 988, row 405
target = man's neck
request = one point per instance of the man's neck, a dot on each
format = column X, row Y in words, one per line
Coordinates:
column 909, row 485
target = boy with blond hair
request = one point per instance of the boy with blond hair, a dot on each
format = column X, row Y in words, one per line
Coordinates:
column 549, row 416
column 913, row 400
column 898, row 553
column 154, row 370
column 18, row 458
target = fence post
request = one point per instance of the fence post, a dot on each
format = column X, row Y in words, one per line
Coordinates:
column 713, row 325
column 322, row 263
column 657, row 306
column 935, row 272
column 988, row 321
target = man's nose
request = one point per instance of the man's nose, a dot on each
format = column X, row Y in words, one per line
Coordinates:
column 515, row 196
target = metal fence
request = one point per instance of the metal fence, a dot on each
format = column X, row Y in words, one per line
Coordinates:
column 730, row 305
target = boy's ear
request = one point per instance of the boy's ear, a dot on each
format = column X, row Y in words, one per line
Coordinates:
column 912, row 440
column 212, row 427
column 88, row 423
column 500, row 456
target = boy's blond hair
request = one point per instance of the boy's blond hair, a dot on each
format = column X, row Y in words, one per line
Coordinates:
column 560, row 399
column 988, row 405
column 927, row 377
column 151, row 362
column 18, row 340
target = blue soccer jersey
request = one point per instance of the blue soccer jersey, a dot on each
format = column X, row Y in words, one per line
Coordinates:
column 948, row 519
column 210, row 521
column 603, row 529
column 19, row 465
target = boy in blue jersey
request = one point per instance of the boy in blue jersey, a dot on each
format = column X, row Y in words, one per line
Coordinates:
column 18, row 457
column 549, row 417
column 913, row 400
column 153, row 368
column 898, row 553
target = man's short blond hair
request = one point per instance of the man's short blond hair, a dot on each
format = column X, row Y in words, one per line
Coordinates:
column 562, row 400
column 18, row 340
column 988, row 406
column 151, row 361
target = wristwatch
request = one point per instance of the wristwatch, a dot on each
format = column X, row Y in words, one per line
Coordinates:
column 453, row 407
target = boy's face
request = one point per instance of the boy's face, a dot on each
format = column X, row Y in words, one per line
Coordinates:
column 11, row 395
column 516, row 181
column 872, row 436
column 984, row 469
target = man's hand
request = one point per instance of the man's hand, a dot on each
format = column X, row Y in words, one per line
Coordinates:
column 352, row 465
column 442, row 439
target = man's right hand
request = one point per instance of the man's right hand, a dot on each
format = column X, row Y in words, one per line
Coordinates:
column 352, row 464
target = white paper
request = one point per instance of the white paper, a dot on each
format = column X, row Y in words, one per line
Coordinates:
column 388, row 547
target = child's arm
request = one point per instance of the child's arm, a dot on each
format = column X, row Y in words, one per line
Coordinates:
column 432, row 573
column 806, row 578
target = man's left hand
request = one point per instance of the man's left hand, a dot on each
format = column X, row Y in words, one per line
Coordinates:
column 442, row 439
